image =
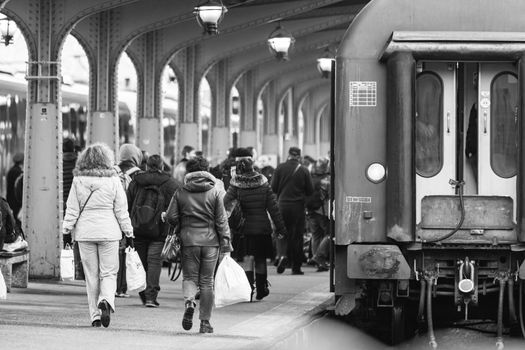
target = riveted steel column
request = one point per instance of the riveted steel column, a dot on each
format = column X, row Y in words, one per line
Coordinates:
column 220, row 116
column 521, row 152
column 189, row 131
column 400, row 185
column 103, row 120
column 149, row 120
column 42, row 202
column 248, row 135
column 290, row 130
column 310, row 146
column 272, row 142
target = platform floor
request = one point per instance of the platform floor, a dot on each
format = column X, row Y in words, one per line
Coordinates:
column 54, row 315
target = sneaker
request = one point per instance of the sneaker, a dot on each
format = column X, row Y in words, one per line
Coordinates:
column 322, row 268
column 96, row 324
column 187, row 319
column 205, row 327
column 297, row 272
column 281, row 264
column 106, row 310
column 151, row 303
column 122, row 295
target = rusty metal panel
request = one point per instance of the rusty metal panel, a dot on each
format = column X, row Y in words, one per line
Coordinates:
column 473, row 236
column 481, row 212
column 376, row 262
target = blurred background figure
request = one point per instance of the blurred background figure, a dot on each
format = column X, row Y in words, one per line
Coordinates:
column 188, row 152
column 14, row 174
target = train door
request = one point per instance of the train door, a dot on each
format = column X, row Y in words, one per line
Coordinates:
column 435, row 131
column 497, row 130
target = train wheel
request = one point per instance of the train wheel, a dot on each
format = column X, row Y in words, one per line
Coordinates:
column 397, row 324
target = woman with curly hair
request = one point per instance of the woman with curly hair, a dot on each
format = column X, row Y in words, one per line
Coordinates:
column 97, row 214
column 258, row 204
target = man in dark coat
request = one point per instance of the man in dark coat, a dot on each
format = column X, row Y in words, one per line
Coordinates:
column 16, row 170
column 292, row 184
column 149, row 244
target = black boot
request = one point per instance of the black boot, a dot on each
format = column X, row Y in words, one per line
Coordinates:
column 249, row 274
column 261, row 283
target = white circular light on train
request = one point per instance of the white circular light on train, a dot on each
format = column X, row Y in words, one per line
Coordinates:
column 376, row 173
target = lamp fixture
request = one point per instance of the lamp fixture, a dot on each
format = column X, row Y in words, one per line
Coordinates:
column 280, row 43
column 324, row 63
column 7, row 31
column 209, row 15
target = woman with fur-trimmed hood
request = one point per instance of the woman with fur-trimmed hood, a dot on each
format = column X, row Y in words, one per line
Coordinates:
column 257, row 200
column 97, row 210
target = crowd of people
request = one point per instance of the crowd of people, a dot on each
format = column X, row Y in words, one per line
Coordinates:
column 105, row 212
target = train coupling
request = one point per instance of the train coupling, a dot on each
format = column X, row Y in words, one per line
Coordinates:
column 466, row 276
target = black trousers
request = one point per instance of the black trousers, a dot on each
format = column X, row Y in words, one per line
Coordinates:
column 294, row 217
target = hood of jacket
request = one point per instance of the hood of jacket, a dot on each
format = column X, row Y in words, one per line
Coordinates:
column 199, row 181
column 156, row 178
column 129, row 152
column 249, row 180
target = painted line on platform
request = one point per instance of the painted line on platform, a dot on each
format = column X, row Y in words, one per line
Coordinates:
column 270, row 324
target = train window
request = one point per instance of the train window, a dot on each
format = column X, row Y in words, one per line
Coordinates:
column 503, row 128
column 429, row 125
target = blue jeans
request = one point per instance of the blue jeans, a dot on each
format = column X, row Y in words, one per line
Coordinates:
column 198, row 269
column 149, row 253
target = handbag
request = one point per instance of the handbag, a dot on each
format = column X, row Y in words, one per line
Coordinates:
column 237, row 219
column 171, row 247
column 67, row 263
column 135, row 273
column 231, row 284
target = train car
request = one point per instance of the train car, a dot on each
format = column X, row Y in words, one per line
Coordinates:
column 13, row 92
column 429, row 160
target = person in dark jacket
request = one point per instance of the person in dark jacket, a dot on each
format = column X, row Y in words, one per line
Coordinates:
column 197, row 213
column 130, row 157
column 292, row 183
column 16, row 170
column 69, row 160
column 149, row 244
column 256, row 198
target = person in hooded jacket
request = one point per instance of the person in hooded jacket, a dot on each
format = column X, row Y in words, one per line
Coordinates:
column 257, row 200
column 197, row 213
column 130, row 159
column 97, row 210
column 147, row 246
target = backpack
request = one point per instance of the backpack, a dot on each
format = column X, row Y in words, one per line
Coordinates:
column 125, row 176
column 146, row 209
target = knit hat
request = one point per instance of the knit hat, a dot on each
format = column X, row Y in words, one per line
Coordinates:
column 294, row 151
column 130, row 152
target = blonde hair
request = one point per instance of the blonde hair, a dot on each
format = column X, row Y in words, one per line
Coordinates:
column 97, row 156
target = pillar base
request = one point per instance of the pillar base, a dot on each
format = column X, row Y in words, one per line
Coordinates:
column 150, row 136
column 220, row 143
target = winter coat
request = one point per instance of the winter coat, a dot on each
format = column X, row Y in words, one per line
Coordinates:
column 69, row 161
column 167, row 186
column 257, row 201
column 179, row 172
column 295, row 188
column 12, row 175
column 105, row 215
column 197, row 212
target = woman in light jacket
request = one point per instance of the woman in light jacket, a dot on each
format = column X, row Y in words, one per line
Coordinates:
column 197, row 213
column 97, row 210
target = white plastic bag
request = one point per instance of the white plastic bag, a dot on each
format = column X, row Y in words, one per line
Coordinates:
column 135, row 273
column 67, row 264
column 3, row 287
column 231, row 283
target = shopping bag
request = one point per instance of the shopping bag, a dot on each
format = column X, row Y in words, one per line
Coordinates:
column 231, row 283
column 171, row 248
column 3, row 287
column 67, row 263
column 135, row 273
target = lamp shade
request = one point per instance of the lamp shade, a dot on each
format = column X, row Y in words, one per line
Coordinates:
column 280, row 42
column 209, row 15
column 324, row 63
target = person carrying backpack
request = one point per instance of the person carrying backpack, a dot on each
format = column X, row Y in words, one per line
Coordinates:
column 149, row 195
column 130, row 158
